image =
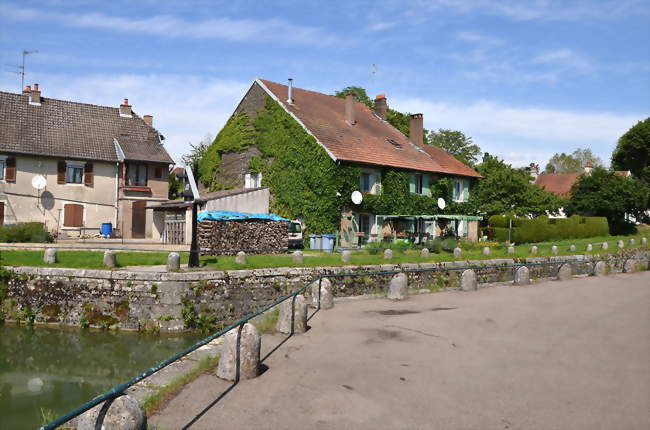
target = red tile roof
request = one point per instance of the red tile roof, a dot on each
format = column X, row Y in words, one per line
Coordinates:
column 561, row 183
column 370, row 141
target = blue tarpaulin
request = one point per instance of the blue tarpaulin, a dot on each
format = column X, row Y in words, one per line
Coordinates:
column 230, row 216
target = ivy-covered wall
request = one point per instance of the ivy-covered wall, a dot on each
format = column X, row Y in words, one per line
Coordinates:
column 305, row 182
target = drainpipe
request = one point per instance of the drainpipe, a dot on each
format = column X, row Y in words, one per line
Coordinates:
column 117, row 192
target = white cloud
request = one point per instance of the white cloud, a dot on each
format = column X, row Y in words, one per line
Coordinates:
column 184, row 108
column 524, row 134
column 565, row 59
column 381, row 25
column 263, row 30
column 473, row 37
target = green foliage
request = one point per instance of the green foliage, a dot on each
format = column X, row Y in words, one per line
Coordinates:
column 603, row 193
column 175, row 187
column 506, row 190
column 361, row 94
column 633, row 151
column 542, row 228
column 449, row 244
column 188, row 313
column 236, row 136
column 457, row 144
column 572, row 163
column 32, row 232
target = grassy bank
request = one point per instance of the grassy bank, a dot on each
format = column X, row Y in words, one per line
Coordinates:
column 94, row 259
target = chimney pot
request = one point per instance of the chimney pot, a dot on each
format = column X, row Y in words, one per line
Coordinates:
column 290, row 91
column 416, row 129
column 125, row 109
column 27, row 89
column 35, row 87
column 148, row 119
column 381, row 106
column 349, row 108
column 35, row 95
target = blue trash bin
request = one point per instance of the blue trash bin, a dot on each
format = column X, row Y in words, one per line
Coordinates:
column 328, row 242
column 106, row 229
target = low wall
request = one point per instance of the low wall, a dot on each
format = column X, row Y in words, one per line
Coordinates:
column 152, row 301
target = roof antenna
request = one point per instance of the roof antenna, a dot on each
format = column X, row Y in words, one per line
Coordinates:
column 22, row 68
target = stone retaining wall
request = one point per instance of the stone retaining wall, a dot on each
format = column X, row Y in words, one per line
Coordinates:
column 170, row 301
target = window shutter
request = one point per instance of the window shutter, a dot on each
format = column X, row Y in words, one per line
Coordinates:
column 465, row 191
column 2, row 213
column 79, row 216
column 453, row 190
column 88, row 174
column 412, row 182
column 60, row 173
column 426, row 190
column 68, row 213
column 10, row 169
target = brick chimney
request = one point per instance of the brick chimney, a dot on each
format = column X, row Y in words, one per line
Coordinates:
column 589, row 166
column 381, row 106
column 125, row 109
column 349, row 108
column 533, row 170
column 148, row 119
column 27, row 90
column 35, row 95
column 416, row 129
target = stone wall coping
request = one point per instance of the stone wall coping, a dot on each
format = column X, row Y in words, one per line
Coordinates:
column 134, row 275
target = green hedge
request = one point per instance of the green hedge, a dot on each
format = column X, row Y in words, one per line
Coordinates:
column 34, row 232
column 542, row 228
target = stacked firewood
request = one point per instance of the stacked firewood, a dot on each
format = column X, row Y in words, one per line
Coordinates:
column 251, row 236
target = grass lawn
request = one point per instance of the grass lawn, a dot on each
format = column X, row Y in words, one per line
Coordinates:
column 472, row 251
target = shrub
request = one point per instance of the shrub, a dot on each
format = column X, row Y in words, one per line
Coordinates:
column 449, row 244
column 497, row 221
column 434, row 245
column 33, row 232
column 500, row 234
column 542, row 228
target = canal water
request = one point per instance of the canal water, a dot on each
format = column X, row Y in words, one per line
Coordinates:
column 59, row 369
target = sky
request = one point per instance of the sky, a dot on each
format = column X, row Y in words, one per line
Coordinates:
column 524, row 78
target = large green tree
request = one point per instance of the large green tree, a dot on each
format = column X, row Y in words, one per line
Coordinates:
column 361, row 94
column 633, row 151
column 572, row 163
column 508, row 190
column 457, row 144
column 604, row 193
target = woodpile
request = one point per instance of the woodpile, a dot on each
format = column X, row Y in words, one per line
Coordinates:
column 251, row 236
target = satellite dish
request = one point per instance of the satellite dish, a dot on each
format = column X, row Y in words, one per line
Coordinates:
column 357, row 197
column 441, row 203
column 39, row 182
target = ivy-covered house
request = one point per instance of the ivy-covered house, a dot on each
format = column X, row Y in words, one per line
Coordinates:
column 313, row 150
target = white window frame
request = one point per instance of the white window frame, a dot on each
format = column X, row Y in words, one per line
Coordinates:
column 75, row 165
column 3, row 167
column 460, row 197
column 253, row 180
column 83, row 218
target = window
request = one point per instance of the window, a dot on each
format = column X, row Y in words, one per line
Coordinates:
column 136, row 175
column 2, row 168
column 366, row 185
column 158, row 172
column 461, row 190
column 74, row 174
column 253, row 180
column 418, row 183
column 73, row 215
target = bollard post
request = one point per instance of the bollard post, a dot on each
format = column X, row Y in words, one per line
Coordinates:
column 293, row 315
column 522, row 276
column 533, row 249
column 468, row 281
column 123, row 412
column 173, row 261
column 49, row 256
column 346, row 256
column 298, row 257
column 398, row 287
column 109, row 258
column 600, row 268
column 240, row 354
column 241, row 258
column 565, row 272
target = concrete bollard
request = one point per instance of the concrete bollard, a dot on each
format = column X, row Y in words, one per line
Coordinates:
column 249, row 354
column 125, row 413
column 572, row 248
column 241, row 258
column 388, row 254
column 604, row 246
column 299, row 318
column 554, row 249
column 297, row 257
column 589, row 247
column 533, row 249
column 644, row 241
column 424, row 254
column 600, row 268
column 458, row 253
column 173, row 261
column 620, row 244
column 630, row 265
column 109, row 259
column 522, row 276
column 632, row 242
column 511, row 250
column 325, row 286
column 565, row 272
column 50, row 255
column 398, row 287
column 486, row 250
column 468, row 281
column 346, row 256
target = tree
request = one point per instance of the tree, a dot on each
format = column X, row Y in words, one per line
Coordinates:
column 507, row 190
column 175, row 188
column 197, row 152
column 604, row 193
column 457, row 144
column 361, row 94
column 633, row 151
column 572, row 163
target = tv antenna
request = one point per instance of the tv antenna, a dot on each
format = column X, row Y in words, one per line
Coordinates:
column 22, row 67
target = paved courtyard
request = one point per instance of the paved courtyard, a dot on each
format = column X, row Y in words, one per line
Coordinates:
column 554, row 355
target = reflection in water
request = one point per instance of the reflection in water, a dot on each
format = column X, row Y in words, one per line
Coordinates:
column 59, row 368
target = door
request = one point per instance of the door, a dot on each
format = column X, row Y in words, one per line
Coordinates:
column 2, row 213
column 138, row 219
